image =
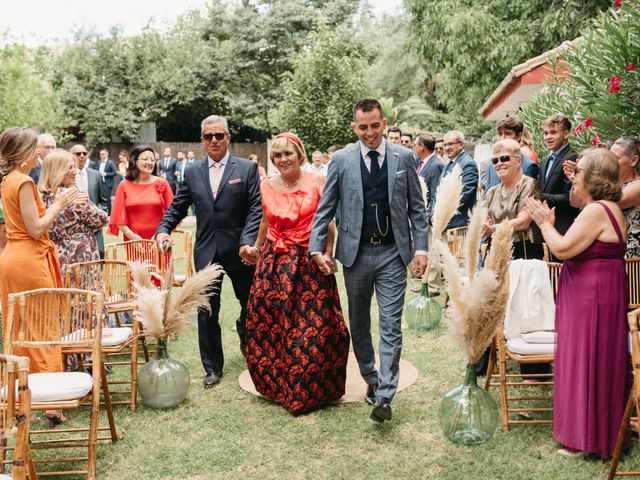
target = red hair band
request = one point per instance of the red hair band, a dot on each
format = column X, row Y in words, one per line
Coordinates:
column 290, row 136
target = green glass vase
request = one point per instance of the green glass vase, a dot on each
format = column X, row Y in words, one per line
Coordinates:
column 468, row 414
column 423, row 313
column 163, row 382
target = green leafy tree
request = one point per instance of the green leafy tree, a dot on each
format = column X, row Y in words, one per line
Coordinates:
column 319, row 96
column 26, row 96
column 472, row 44
column 602, row 93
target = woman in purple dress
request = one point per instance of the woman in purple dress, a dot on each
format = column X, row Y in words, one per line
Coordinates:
column 591, row 358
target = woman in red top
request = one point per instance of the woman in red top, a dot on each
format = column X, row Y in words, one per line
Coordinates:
column 297, row 343
column 141, row 199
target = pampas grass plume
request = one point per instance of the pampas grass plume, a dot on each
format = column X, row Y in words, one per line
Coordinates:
column 472, row 241
column 447, row 201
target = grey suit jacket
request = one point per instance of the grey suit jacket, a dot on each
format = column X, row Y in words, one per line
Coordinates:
column 98, row 195
column 343, row 196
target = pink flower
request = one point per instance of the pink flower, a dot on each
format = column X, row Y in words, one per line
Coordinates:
column 597, row 134
column 617, row 3
column 587, row 123
column 594, row 142
column 630, row 67
column 578, row 129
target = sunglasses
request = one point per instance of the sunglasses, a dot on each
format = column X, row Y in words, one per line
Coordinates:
column 210, row 136
column 501, row 159
column 80, row 154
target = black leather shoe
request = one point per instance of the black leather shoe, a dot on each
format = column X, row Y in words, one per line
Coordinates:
column 381, row 410
column 370, row 396
column 212, row 378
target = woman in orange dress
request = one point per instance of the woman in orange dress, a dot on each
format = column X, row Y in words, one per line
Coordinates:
column 141, row 198
column 30, row 260
column 297, row 343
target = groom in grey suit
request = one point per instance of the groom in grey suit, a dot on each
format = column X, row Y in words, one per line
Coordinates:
column 373, row 188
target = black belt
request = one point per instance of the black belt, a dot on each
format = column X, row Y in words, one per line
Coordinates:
column 376, row 240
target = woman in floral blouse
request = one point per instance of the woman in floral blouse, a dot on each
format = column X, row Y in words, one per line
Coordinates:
column 73, row 231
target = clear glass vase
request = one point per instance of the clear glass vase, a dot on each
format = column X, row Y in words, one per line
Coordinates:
column 163, row 382
column 468, row 414
column 423, row 313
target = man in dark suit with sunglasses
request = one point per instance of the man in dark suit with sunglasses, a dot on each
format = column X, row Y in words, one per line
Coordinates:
column 226, row 192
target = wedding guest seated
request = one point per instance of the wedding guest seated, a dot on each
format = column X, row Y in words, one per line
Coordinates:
column 73, row 230
column 296, row 342
column 591, row 361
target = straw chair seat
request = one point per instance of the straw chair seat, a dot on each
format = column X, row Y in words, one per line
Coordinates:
column 59, row 386
column 111, row 337
column 522, row 347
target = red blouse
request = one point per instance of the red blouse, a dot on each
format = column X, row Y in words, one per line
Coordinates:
column 290, row 215
column 140, row 207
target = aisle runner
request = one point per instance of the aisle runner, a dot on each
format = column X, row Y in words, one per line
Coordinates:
column 356, row 387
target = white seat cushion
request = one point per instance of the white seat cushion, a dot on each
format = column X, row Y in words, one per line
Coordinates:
column 115, row 336
column 59, row 386
column 180, row 278
column 519, row 346
column 110, row 336
column 4, row 476
column 539, row 336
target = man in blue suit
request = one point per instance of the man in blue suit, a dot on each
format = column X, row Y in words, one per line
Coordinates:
column 454, row 149
column 510, row 128
column 167, row 168
column 226, row 191
column 108, row 172
column 373, row 187
column 46, row 143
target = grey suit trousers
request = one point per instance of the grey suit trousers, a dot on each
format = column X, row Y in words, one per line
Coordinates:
column 378, row 267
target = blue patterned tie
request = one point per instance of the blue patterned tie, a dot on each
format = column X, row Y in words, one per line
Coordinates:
column 552, row 159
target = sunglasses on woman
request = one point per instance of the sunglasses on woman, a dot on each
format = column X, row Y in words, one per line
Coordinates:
column 501, row 159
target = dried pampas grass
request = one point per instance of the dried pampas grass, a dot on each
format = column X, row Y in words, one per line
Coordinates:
column 162, row 315
column 478, row 302
column 193, row 296
column 447, row 201
column 473, row 238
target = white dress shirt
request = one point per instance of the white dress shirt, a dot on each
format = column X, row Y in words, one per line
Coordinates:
column 82, row 180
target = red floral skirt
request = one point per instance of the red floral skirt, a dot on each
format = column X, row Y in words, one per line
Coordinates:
column 297, row 343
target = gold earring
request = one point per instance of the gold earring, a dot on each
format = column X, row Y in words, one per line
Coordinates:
column 23, row 164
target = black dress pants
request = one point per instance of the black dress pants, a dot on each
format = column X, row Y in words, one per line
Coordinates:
column 209, row 332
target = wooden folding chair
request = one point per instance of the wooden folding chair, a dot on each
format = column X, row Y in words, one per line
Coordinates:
column 15, row 415
column 139, row 251
column 113, row 279
column 510, row 381
column 632, row 268
column 633, row 318
column 181, row 256
column 65, row 320
column 455, row 239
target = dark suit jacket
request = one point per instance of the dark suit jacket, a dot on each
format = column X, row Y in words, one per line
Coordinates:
column 110, row 171
column 224, row 223
column 469, row 188
column 529, row 168
column 35, row 172
column 98, row 195
column 431, row 173
column 169, row 173
column 555, row 189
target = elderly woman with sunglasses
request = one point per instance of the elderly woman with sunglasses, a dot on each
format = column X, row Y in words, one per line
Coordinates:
column 507, row 200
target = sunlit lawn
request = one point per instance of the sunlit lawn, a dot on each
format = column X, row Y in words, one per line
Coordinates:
column 227, row 433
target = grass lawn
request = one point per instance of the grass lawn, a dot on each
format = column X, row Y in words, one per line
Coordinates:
column 227, row 433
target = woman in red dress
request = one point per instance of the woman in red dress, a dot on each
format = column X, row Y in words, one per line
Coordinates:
column 141, row 199
column 297, row 342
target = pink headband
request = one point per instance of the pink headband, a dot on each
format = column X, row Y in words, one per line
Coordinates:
column 290, row 136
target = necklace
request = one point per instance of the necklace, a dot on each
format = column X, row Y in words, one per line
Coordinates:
column 292, row 184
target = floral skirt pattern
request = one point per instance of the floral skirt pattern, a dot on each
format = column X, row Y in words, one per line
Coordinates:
column 297, row 343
